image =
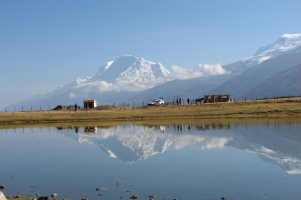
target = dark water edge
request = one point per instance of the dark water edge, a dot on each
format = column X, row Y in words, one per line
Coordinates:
column 106, row 124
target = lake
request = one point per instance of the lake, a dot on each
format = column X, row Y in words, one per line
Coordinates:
column 187, row 161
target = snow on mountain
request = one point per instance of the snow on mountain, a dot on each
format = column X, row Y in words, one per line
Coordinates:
column 115, row 82
column 122, row 79
column 128, row 73
column 250, row 75
column 285, row 44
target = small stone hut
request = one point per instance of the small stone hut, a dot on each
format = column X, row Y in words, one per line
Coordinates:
column 214, row 98
column 88, row 103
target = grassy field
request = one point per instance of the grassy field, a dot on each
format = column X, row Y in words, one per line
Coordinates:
column 289, row 108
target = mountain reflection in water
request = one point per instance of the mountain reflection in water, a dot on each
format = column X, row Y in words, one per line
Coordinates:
column 278, row 144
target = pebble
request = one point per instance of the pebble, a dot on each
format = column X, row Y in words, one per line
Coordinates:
column 134, row 197
column 1, row 187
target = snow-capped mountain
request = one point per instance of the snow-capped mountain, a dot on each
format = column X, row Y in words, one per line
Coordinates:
column 285, row 44
column 251, row 73
column 131, row 69
column 127, row 73
column 115, row 82
column 129, row 78
column 242, row 78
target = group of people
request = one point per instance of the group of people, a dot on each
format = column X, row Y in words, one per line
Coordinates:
column 179, row 101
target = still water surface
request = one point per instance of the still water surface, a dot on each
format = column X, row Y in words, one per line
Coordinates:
column 236, row 161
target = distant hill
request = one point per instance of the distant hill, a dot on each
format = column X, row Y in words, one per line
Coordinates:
column 242, row 84
column 284, row 83
column 191, row 88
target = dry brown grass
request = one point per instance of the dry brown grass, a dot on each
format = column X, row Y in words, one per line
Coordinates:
column 283, row 108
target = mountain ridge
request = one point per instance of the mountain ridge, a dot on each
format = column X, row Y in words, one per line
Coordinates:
column 129, row 78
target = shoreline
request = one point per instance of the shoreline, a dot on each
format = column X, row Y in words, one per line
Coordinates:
column 289, row 108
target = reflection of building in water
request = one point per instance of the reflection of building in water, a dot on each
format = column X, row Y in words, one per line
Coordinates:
column 158, row 128
column 75, row 128
column 90, row 129
column 201, row 127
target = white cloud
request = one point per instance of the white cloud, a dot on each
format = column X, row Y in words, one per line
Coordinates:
column 178, row 72
column 211, row 70
column 121, row 85
column 105, row 86
column 202, row 70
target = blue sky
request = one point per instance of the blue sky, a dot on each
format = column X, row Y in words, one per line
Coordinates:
column 46, row 44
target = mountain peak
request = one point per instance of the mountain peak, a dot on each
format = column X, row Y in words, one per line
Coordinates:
column 131, row 68
column 285, row 43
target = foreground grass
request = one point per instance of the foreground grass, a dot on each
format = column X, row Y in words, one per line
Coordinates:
column 284, row 108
